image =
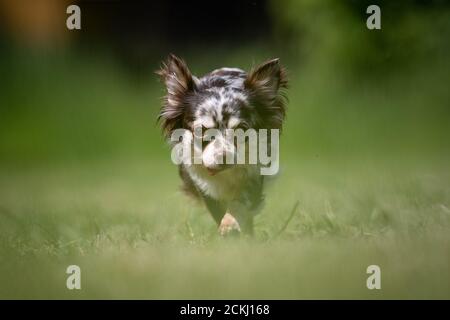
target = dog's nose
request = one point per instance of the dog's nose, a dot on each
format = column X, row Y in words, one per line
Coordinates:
column 216, row 157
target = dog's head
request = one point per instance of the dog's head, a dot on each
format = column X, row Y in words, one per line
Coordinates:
column 226, row 98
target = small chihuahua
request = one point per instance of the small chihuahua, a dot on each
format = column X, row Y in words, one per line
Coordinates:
column 226, row 98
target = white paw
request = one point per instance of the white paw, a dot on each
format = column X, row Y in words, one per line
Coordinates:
column 229, row 225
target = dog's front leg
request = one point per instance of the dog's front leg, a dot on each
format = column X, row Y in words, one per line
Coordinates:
column 236, row 221
column 229, row 225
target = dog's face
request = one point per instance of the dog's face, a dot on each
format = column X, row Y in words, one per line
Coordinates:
column 226, row 98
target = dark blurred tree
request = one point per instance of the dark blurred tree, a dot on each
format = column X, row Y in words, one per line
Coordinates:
column 335, row 33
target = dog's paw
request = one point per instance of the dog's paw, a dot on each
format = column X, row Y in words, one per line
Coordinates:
column 229, row 226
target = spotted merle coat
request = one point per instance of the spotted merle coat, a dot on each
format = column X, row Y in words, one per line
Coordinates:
column 226, row 98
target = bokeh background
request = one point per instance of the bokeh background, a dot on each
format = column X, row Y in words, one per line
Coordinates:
column 86, row 178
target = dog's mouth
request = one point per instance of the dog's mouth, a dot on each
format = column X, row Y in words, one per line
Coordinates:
column 213, row 171
column 216, row 170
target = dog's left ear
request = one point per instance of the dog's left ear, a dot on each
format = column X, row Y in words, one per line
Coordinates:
column 179, row 82
column 265, row 83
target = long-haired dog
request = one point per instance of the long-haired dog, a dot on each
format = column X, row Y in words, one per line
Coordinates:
column 226, row 98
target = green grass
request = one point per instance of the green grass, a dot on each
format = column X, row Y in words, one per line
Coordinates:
column 135, row 236
column 85, row 179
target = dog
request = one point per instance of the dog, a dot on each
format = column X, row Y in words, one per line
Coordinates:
column 226, row 98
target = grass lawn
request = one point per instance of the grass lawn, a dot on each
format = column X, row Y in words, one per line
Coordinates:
column 85, row 180
column 135, row 236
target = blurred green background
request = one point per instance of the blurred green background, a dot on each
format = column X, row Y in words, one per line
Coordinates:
column 86, row 178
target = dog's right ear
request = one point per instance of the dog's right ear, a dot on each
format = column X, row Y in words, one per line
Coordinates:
column 179, row 82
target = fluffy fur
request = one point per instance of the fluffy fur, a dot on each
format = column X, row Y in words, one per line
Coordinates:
column 226, row 98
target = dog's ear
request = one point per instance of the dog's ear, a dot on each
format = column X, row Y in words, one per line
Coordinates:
column 179, row 82
column 266, row 84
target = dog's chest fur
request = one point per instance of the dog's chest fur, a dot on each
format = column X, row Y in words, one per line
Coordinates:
column 224, row 186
